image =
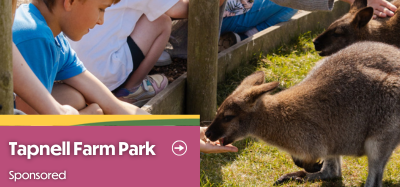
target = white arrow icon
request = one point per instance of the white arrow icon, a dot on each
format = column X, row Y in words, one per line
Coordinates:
column 179, row 148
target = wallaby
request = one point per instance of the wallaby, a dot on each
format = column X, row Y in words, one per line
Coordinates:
column 356, row 26
column 349, row 104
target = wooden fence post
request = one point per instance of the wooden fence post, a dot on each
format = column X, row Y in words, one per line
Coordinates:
column 6, row 86
column 202, row 58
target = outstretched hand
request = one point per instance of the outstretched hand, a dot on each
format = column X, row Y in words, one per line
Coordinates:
column 92, row 109
column 69, row 110
column 382, row 8
column 213, row 147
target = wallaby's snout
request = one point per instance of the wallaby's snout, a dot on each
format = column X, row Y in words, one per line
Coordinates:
column 214, row 132
column 319, row 46
column 224, row 129
column 208, row 134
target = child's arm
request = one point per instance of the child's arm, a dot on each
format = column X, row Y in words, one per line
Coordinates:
column 95, row 91
column 181, row 9
column 28, row 87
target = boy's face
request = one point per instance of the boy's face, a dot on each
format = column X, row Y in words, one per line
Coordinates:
column 82, row 16
column 247, row 4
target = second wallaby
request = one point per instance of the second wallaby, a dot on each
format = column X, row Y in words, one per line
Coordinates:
column 349, row 104
column 358, row 25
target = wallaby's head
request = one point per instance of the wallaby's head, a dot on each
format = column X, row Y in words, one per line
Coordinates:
column 345, row 31
column 234, row 116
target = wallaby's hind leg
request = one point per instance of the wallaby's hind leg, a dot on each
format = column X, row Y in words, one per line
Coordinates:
column 378, row 155
column 331, row 169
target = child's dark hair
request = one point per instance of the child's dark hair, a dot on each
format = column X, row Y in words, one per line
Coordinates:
column 50, row 3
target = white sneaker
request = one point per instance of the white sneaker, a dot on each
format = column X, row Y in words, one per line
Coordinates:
column 227, row 40
column 165, row 59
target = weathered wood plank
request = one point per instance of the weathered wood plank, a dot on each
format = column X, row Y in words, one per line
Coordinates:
column 202, row 58
column 6, row 86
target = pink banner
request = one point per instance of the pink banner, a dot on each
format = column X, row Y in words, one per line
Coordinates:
column 105, row 156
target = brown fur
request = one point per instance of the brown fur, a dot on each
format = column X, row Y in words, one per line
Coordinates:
column 358, row 25
column 349, row 104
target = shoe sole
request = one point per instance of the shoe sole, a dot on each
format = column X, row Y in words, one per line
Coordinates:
column 231, row 38
column 142, row 102
column 163, row 63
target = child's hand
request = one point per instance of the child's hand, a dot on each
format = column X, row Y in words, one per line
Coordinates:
column 213, row 147
column 382, row 8
column 202, row 133
column 69, row 110
column 92, row 109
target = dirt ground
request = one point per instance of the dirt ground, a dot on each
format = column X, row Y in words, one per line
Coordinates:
column 172, row 71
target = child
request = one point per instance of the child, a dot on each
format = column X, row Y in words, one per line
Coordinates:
column 122, row 52
column 37, row 34
column 30, row 90
column 382, row 8
column 244, row 18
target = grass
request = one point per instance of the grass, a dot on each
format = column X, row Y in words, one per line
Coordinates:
column 288, row 64
column 256, row 163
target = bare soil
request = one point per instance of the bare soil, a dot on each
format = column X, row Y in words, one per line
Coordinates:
column 172, row 71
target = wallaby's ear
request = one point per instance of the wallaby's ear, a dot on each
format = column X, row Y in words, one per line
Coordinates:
column 357, row 5
column 363, row 16
column 257, row 91
column 256, row 78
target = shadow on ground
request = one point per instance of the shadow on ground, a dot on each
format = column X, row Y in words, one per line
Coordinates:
column 211, row 164
column 387, row 183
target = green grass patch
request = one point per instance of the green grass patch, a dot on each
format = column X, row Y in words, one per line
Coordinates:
column 256, row 163
column 288, row 64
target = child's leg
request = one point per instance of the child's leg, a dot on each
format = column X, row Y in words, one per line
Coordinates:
column 151, row 37
column 260, row 12
column 62, row 93
column 66, row 95
column 283, row 15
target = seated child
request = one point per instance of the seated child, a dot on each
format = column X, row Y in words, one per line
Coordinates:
column 244, row 18
column 123, row 50
column 38, row 33
column 31, row 91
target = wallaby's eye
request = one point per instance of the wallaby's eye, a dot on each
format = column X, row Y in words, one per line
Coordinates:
column 338, row 32
column 228, row 118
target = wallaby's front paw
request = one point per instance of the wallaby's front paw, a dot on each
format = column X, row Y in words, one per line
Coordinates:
column 296, row 176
